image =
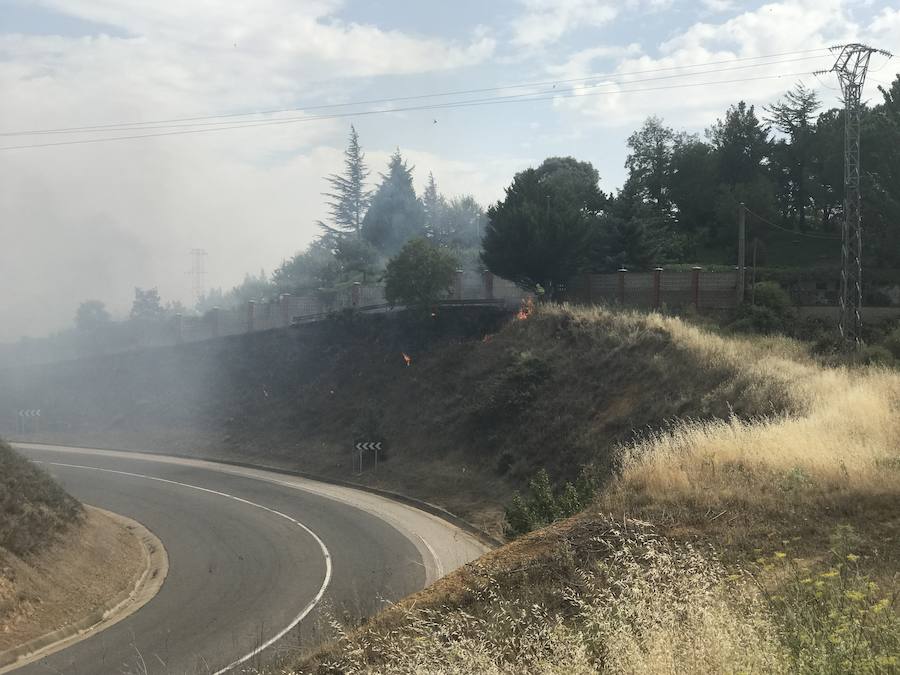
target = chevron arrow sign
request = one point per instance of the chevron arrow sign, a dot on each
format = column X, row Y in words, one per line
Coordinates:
column 368, row 445
column 30, row 413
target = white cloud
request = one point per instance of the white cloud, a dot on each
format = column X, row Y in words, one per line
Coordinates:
column 718, row 5
column 546, row 21
column 773, row 28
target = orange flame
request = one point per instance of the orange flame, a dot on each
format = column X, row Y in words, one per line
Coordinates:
column 526, row 310
column 406, row 358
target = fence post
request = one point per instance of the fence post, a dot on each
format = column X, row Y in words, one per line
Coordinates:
column 179, row 329
column 214, row 319
column 657, row 274
column 458, row 285
column 355, row 294
column 285, row 300
column 487, row 283
column 621, row 282
column 695, row 286
column 251, row 312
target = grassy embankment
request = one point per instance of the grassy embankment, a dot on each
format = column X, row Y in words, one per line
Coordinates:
column 765, row 541
column 34, row 510
column 485, row 402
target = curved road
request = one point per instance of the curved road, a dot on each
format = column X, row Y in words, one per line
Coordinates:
column 257, row 560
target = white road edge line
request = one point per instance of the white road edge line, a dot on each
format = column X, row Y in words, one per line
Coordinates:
column 325, row 553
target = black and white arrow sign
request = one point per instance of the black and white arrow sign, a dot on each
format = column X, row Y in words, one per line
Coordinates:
column 368, row 445
column 30, row 413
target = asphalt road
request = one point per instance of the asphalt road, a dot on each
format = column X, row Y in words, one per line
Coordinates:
column 254, row 558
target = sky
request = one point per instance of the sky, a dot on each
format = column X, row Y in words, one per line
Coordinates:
column 92, row 220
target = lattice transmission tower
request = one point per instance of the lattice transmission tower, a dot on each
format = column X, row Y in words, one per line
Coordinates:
column 851, row 66
column 198, row 272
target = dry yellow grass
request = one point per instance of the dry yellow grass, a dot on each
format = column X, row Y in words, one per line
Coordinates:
column 812, row 480
column 842, row 432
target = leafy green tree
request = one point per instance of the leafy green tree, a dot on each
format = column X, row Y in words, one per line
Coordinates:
column 465, row 222
column 310, row 270
column 435, row 206
column 827, row 166
column 357, row 258
column 542, row 231
column 649, row 163
column 419, row 275
column 349, row 198
column 880, row 149
column 146, row 304
column 91, row 316
column 794, row 117
column 742, row 149
column 693, row 181
column 623, row 243
column 742, row 145
column 395, row 215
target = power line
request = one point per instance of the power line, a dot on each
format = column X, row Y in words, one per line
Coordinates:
column 784, row 229
column 433, row 95
column 540, row 96
column 193, row 125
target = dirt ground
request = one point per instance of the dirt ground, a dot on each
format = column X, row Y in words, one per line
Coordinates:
column 92, row 564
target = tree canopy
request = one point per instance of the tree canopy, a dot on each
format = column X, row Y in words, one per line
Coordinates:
column 395, row 215
column 540, row 234
column 420, row 274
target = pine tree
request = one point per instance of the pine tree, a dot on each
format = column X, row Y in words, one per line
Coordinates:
column 794, row 116
column 435, row 206
column 349, row 199
column 396, row 215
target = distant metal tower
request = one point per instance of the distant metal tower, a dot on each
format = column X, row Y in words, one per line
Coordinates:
column 851, row 66
column 198, row 272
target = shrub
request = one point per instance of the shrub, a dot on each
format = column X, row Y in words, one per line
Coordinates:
column 892, row 342
column 542, row 504
column 833, row 619
column 419, row 275
column 770, row 313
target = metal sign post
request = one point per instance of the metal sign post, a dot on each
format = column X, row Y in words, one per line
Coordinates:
column 362, row 447
column 23, row 416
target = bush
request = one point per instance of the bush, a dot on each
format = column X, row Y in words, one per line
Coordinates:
column 542, row 505
column 836, row 619
column 876, row 355
column 892, row 343
column 770, row 313
column 419, row 275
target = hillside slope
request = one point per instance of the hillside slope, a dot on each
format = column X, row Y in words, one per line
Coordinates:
column 34, row 510
column 486, row 400
column 767, row 544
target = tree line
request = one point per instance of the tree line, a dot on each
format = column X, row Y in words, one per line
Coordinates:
column 678, row 204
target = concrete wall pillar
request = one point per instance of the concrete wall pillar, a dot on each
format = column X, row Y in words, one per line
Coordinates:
column 458, row 285
column 487, row 283
column 657, row 279
column 285, row 302
column 355, row 294
column 695, row 286
column 621, row 285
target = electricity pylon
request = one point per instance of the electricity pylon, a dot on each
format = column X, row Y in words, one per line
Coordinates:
column 851, row 66
column 198, row 272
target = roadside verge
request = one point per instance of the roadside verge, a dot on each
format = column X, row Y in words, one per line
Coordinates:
column 146, row 577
